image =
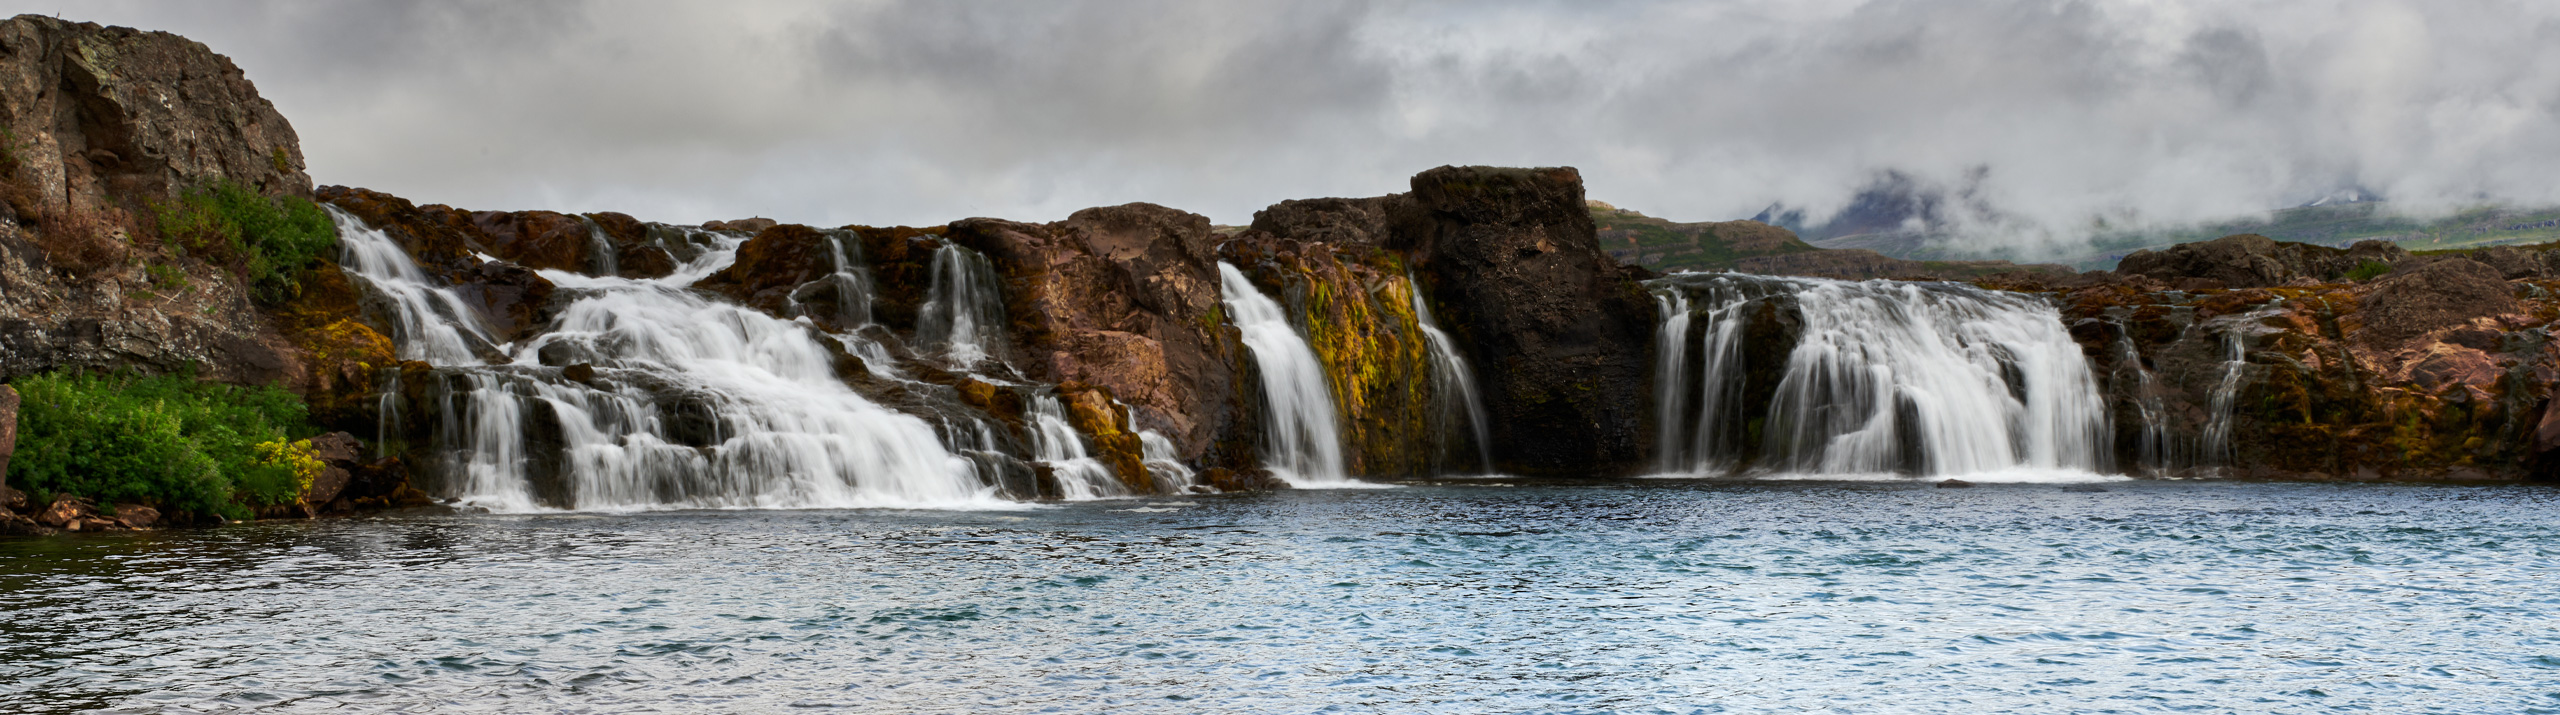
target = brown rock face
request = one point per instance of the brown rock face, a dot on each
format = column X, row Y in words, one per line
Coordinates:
column 114, row 112
column 1561, row 332
column 540, row 240
column 771, row 265
column 1124, row 298
column 2438, row 295
column 104, row 121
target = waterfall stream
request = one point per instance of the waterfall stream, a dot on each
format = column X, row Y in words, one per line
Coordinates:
column 1883, row 377
column 1302, row 442
column 1080, row 476
column 1453, row 385
column 963, row 315
column 691, row 402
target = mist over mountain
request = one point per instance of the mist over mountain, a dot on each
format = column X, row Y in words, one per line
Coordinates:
column 2020, row 126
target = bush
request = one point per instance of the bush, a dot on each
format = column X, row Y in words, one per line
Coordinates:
column 2367, row 270
column 266, row 240
column 185, row 446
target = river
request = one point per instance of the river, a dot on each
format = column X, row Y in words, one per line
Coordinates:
column 1670, row 596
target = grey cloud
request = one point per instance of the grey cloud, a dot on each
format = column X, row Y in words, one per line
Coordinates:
column 2045, row 114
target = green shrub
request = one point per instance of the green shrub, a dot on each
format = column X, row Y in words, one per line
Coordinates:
column 185, row 446
column 2367, row 270
column 267, row 240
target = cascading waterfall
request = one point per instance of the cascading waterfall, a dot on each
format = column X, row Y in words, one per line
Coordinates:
column 2155, row 451
column 1933, row 379
column 1302, row 442
column 963, row 316
column 2225, row 399
column 1712, row 444
column 428, row 322
column 604, row 263
column 1453, row 384
column 692, row 403
column 1056, row 443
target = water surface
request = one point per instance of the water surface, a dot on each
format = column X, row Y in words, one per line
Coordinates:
column 1494, row 596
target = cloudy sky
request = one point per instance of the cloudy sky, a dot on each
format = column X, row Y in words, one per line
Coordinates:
column 2053, row 113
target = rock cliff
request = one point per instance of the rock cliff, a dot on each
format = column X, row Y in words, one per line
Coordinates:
column 97, row 126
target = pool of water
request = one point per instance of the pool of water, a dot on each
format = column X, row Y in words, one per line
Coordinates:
column 1462, row 597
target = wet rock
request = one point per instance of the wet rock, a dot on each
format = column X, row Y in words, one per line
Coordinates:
column 1561, row 334
column 2437, row 295
column 538, row 239
column 583, row 373
column 1124, row 298
column 770, row 266
column 136, row 516
column 1954, row 484
column 65, row 511
column 15, row 525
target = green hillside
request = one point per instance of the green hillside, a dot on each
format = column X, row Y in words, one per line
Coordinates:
column 1666, row 246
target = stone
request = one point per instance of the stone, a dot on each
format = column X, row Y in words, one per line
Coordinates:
column 1954, row 484
column 337, row 448
column 136, row 516
column 581, row 373
column 15, row 525
column 65, row 510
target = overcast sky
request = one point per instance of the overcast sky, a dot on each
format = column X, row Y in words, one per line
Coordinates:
column 890, row 112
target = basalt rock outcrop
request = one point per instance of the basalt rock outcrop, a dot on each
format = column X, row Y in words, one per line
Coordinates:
column 1125, row 298
column 1560, row 330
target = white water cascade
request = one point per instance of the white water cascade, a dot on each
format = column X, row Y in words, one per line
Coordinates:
column 963, row 315
column 1453, row 384
column 2155, row 451
column 2225, row 398
column 1080, row 477
column 428, row 322
column 1302, row 443
column 691, row 403
column 1886, row 377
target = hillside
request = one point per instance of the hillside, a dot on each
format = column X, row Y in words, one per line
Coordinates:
column 1668, row 246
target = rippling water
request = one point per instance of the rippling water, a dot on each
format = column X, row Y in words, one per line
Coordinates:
column 1486, row 597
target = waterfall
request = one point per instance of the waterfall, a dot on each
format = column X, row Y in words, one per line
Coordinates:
column 2226, row 395
column 1055, row 442
column 605, row 262
column 428, row 322
column 1453, row 385
column 1924, row 378
column 1301, row 442
column 690, row 402
column 1165, row 466
column 963, row 316
column 2155, row 452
